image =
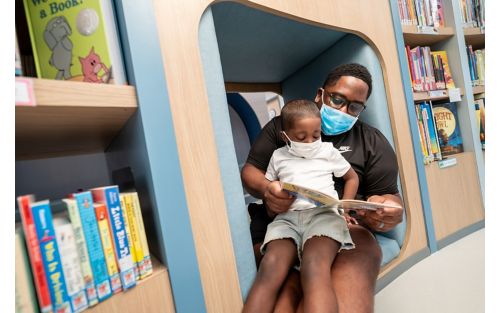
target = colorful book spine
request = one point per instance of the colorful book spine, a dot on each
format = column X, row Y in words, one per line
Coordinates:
column 50, row 256
column 83, row 255
column 94, row 246
column 25, row 294
column 148, row 265
column 110, row 197
column 35, row 255
column 107, row 246
column 434, row 142
column 70, row 260
column 132, row 235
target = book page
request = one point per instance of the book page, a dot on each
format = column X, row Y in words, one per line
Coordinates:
column 322, row 199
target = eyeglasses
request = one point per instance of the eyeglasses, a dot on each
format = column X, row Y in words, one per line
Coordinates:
column 338, row 102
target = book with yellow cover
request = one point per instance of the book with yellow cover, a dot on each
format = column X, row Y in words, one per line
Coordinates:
column 148, row 265
column 447, row 72
column 132, row 234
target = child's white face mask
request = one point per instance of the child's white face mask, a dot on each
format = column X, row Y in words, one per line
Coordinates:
column 304, row 150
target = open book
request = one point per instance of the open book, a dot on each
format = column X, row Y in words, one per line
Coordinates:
column 322, row 199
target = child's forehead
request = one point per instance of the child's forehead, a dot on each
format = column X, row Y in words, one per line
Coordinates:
column 306, row 122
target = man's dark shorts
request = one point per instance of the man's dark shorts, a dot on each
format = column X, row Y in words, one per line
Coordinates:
column 259, row 222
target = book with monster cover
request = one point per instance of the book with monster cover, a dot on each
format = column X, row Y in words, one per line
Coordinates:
column 75, row 40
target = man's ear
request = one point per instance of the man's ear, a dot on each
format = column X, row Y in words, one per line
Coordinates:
column 319, row 93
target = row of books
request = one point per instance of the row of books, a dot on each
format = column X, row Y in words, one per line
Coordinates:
column 476, row 65
column 439, row 130
column 428, row 69
column 82, row 249
column 422, row 13
column 479, row 104
column 472, row 12
column 72, row 40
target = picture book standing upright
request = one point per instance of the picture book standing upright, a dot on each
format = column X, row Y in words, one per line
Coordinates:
column 35, row 254
column 93, row 241
column 448, row 128
column 51, row 257
column 110, row 197
column 75, row 40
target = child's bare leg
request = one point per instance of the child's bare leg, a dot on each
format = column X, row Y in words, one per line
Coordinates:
column 317, row 259
column 279, row 258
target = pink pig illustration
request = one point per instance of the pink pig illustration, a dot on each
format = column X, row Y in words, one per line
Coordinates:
column 91, row 66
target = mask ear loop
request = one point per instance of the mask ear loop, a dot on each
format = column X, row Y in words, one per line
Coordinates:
column 289, row 142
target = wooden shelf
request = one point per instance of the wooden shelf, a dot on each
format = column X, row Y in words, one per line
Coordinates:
column 414, row 37
column 152, row 294
column 426, row 95
column 71, row 118
column 478, row 89
column 474, row 37
column 455, row 195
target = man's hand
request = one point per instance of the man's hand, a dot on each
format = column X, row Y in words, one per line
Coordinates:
column 383, row 219
column 276, row 199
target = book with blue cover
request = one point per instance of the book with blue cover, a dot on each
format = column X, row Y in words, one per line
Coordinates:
column 448, row 128
column 51, row 257
column 110, row 196
column 94, row 247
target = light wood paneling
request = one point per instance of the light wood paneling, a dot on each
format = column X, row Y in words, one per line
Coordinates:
column 413, row 37
column 178, row 23
column 71, row 118
column 152, row 294
column 455, row 195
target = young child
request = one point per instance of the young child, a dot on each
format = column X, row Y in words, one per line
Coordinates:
column 312, row 235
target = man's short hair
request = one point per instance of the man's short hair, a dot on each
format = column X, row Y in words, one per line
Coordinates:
column 351, row 69
column 298, row 109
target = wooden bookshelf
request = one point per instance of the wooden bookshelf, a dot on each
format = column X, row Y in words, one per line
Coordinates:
column 152, row 294
column 415, row 37
column 432, row 95
column 455, row 195
column 474, row 36
column 478, row 89
column 71, row 118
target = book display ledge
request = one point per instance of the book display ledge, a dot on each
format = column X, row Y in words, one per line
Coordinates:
column 153, row 294
column 71, row 118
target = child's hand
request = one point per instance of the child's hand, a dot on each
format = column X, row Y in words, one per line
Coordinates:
column 350, row 220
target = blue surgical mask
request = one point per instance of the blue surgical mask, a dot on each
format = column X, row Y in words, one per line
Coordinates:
column 334, row 122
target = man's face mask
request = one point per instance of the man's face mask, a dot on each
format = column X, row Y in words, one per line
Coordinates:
column 304, row 150
column 333, row 121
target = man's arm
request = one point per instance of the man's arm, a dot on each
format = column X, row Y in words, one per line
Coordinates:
column 275, row 198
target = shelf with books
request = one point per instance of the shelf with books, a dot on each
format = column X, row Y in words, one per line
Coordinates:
column 151, row 294
column 457, row 182
column 414, row 36
column 432, row 95
column 478, row 89
column 474, row 36
column 71, row 118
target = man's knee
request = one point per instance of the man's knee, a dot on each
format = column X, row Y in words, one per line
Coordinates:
column 367, row 247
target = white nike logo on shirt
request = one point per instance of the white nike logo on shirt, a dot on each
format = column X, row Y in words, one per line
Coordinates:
column 343, row 149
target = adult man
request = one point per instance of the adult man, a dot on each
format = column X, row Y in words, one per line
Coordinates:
column 341, row 99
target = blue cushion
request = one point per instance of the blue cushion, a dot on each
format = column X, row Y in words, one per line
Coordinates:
column 390, row 248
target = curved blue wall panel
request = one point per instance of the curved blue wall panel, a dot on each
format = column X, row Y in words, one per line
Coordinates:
column 233, row 190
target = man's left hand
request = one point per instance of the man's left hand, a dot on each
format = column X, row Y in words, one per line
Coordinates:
column 383, row 219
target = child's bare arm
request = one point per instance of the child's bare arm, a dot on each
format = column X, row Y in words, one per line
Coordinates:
column 351, row 184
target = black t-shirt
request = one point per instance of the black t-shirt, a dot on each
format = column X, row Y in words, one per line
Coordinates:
column 364, row 147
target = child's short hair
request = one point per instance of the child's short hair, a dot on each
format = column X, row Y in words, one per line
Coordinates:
column 298, row 109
